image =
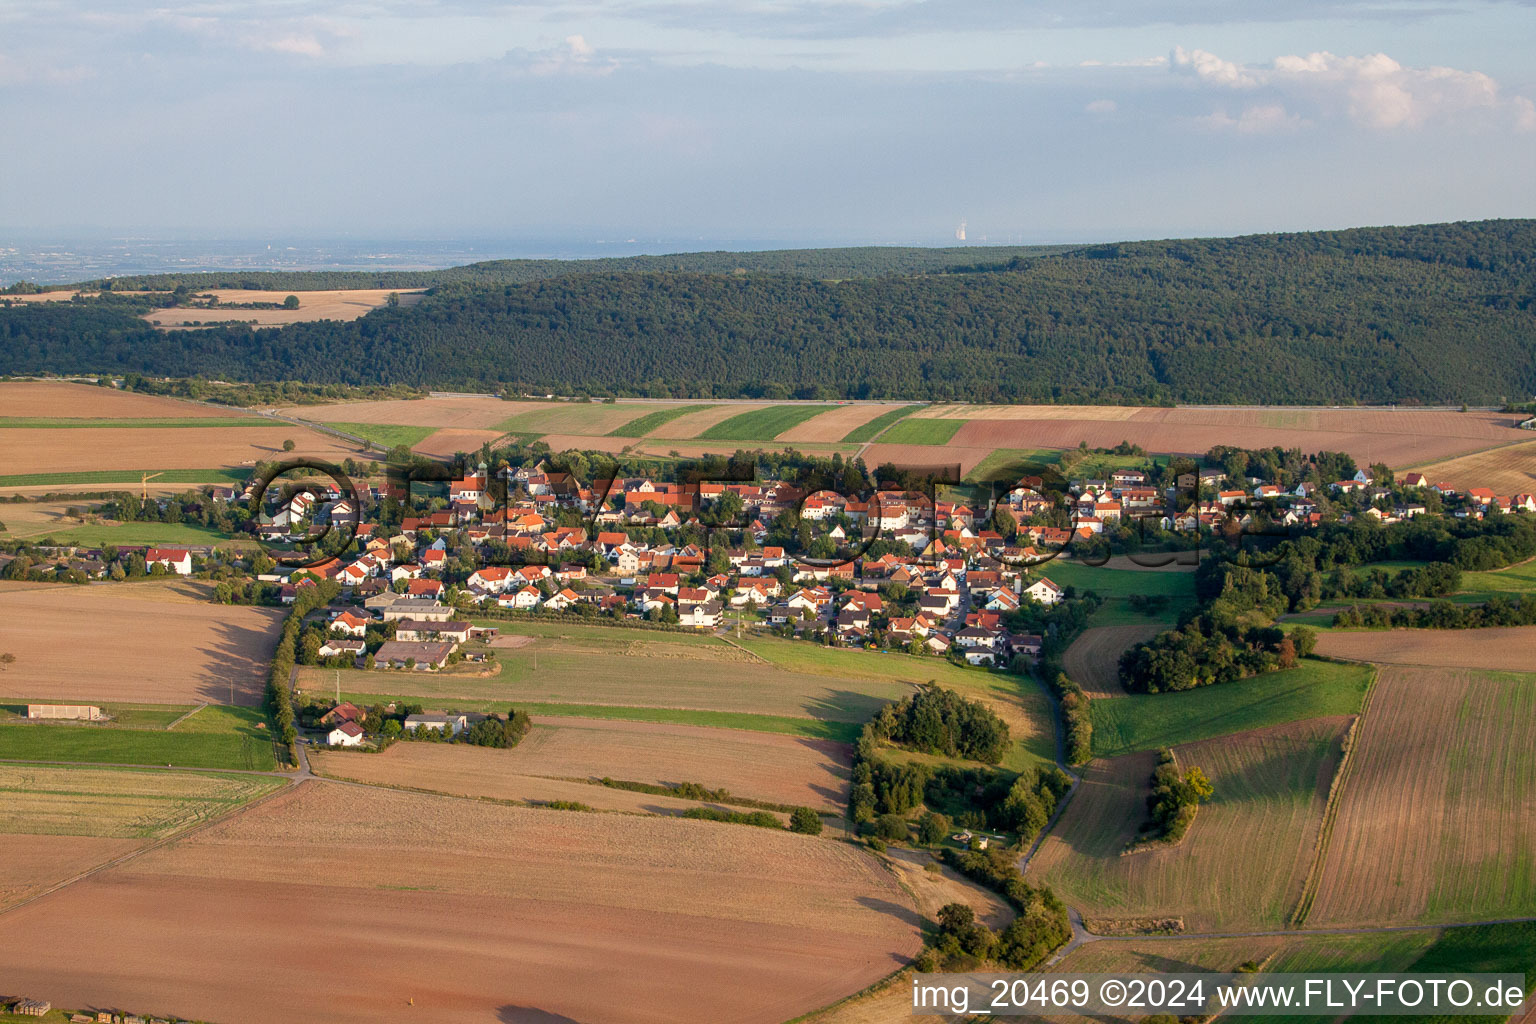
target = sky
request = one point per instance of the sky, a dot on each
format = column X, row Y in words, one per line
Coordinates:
column 775, row 121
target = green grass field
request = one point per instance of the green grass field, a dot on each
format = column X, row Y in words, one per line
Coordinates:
column 120, row 534
column 129, row 476
column 124, row 716
column 914, row 431
column 1314, row 689
column 1116, row 586
column 810, row 728
column 390, row 435
column 868, row 432
column 61, row 422
column 1000, row 462
column 215, row 737
column 573, row 418
column 642, row 425
column 761, row 424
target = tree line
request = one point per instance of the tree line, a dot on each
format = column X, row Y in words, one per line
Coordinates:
column 1439, row 313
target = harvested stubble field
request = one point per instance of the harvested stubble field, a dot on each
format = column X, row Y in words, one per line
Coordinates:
column 118, row 803
column 133, row 643
column 694, row 424
column 31, row 862
column 1398, row 437
column 85, row 449
column 762, row 766
column 1502, row 648
column 71, row 400
column 1437, row 820
column 1510, row 469
column 450, row 441
column 837, row 423
column 1093, row 660
column 464, row 911
column 588, row 418
column 958, row 457
column 466, row 412
column 1244, row 861
column 337, row 304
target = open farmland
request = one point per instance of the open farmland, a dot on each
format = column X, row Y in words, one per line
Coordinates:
column 1510, row 469
column 465, row 411
column 695, row 424
column 449, row 441
column 26, row 451
column 595, row 418
column 133, row 643
column 761, row 424
column 1436, row 820
column 915, row 430
column 462, row 911
column 1244, row 860
column 215, row 737
column 29, row 862
column 838, row 422
column 1093, row 660
column 760, row 766
column 1313, row 689
column 1398, row 437
column 941, row 458
column 70, row 400
column 1507, row 648
column 335, row 304
column 118, row 803
column 593, row 665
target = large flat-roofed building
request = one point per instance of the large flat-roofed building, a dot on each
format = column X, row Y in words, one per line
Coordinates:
column 74, row 712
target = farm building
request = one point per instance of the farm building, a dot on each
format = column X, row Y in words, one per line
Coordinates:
column 417, row 608
column 455, row 723
column 31, row 1008
column 347, row 734
column 425, row 654
column 77, row 712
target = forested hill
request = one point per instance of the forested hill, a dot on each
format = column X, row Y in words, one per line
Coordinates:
column 1439, row 313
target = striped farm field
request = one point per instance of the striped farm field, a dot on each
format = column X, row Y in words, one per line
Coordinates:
column 596, row 418
column 26, row 452
column 921, row 431
column 761, row 424
column 128, row 423
column 1243, row 862
column 449, row 441
column 470, row 411
column 656, row 418
column 1436, row 820
column 389, row 435
column 844, row 423
column 1496, row 648
column 871, row 430
column 695, row 424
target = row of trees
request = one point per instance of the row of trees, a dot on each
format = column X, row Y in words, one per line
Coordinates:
column 1497, row 611
column 1174, row 799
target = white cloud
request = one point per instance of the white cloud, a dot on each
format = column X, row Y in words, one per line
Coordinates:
column 1102, row 107
column 1259, row 119
column 580, row 48
column 300, row 44
column 1372, row 90
column 1208, row 67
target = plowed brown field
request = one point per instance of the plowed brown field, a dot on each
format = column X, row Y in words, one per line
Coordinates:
column 30, row 862
column 1093, row 660
column 69, row 400
column 1505, row 648
column 137, row 643
column 1438, row 815
column 1245, row 858
column 450, row 441
column 340, row 904
column 471, row 413
column 926, row 456
column 1395, row 436
column 763, row 766
column 84, row 449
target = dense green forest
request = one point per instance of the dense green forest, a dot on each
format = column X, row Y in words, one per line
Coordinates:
column 829, row 264
column 1438, row 313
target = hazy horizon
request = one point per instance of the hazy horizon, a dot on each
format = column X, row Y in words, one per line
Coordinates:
column 780, row 122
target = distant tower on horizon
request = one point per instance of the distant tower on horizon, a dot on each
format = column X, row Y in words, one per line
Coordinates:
column 960, row 232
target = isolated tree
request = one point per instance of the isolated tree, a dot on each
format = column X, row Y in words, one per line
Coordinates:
column 291, row 302
column 288, row 445
column 805, row 821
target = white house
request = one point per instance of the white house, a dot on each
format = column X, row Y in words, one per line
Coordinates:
column 1044, row 591
column 347, row 734
column 178, row 560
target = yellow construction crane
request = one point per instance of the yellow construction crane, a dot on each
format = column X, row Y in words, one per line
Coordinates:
column 144, row 483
